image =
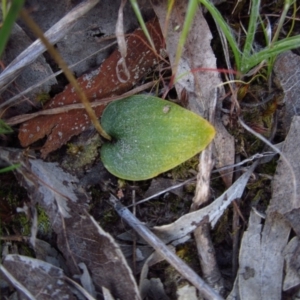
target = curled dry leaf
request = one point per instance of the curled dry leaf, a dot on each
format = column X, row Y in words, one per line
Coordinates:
column 98, row 84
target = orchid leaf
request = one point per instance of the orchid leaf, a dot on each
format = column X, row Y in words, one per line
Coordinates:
column 151, row 136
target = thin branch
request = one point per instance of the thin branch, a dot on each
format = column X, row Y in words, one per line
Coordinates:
column 58, row 110
column 163, row 250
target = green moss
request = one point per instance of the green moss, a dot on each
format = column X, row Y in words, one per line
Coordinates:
column 81, row 155
column 23, row 224
column 109, row 216
column 43, row 98
column 188, row 253
column 21, row 221
column 44, row 225
column 183, row 171
column 12, row 197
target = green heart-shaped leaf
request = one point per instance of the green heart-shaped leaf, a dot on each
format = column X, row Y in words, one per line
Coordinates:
column 150, row 136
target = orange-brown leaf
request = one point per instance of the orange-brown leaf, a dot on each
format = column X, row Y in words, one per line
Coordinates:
column 98, row 84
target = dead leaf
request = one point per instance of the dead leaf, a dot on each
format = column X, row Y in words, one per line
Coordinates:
column 154, row 289
column 250, row 265
column 45, row 252
column 45, row 281
column 79, row 237
column 261, row 261
column 261, row 258
column 91, row 32
column 189, row 222
column 225, row 152
column 86, row 280
column 100, row 83
column 201, row 86
column 106, row 294
column 148, row 287
column 287, row 74
column 285, row 198
column 292, row 264
column 187, row 292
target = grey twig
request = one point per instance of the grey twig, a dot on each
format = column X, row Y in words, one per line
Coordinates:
column 163, row 250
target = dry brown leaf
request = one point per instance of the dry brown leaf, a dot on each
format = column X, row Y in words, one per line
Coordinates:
column 100, row 83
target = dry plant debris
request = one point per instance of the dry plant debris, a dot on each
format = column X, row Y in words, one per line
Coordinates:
column 268, row 257
column 202, row 88
column 45, row 279
column 54, row 34
column 98, row 84
column 262, row 253
column 34, row 73
column 287, row 73
column 79, row 237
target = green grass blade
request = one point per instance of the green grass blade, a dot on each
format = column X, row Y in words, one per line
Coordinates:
column 139, row 16
column 265, row 31
column 252, row 26
column 286, row 7
column 4, row 128
column 226, row 30
column 293, row 18
column 269, row 52
column 4, row 5
column 10, row 168
column 190, row 13
column 9, row 21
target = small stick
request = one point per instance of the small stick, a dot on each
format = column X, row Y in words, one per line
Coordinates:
column 58, row 110
column 163, row 250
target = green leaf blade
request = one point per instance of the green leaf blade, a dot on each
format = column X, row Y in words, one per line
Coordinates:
column 151, row 136
column 9, row 21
